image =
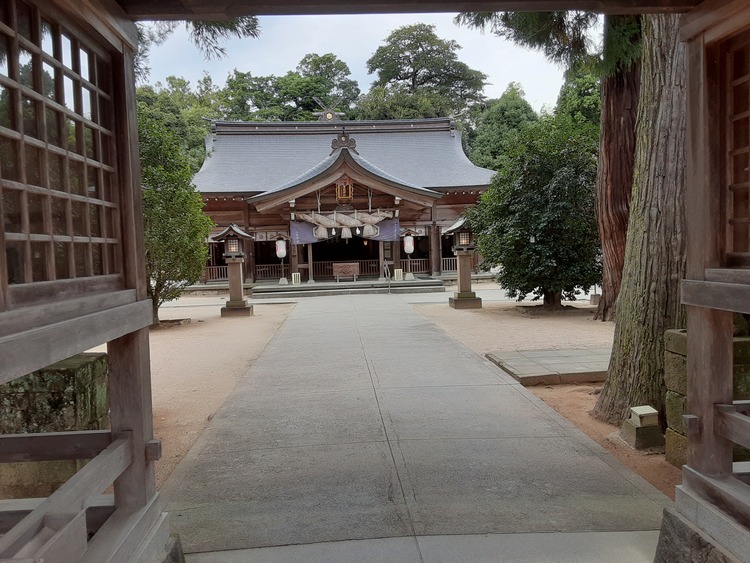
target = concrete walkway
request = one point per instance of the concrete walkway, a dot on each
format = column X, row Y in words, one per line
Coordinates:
column 363, row 420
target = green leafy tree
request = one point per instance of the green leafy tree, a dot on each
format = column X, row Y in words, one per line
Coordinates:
column 580, row 97
column 175, row 227
column 418, row 70
column 292, row 97
column 564, row 37
column 536, row 220
column 497, row 125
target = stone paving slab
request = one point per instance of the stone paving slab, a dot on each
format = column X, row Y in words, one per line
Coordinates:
column 362, row 420
column 552, row 367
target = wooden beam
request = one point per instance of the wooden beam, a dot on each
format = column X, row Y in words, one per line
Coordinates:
column 12, row 511
column 53, row 446
column 716, row 295
column 62, row 538
column 73, row 495
column 727, row 493
column 221, row 9
column 733, row 425
column 30, row 350
column 715, row 13
column 727, row 275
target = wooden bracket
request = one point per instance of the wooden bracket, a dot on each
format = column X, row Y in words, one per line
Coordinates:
column 153, row 450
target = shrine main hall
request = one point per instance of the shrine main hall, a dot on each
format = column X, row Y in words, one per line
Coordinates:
column 338, row 191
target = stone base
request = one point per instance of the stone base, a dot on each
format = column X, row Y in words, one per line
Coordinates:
column 594, row 299
column 641, row 437
column 680, row 540
column 465, row 302
column 283, row 281
column 676, row 448
column 246, row 311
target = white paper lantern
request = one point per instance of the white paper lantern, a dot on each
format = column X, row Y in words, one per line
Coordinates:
column 281, row 249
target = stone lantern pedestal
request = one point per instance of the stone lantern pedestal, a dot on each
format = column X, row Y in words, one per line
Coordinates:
column 464, row 298
column 237, row 305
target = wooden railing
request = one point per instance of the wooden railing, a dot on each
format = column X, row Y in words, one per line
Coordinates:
column 449, row 264
column 60, row 521
column 271, row 271
column 417, row 265
column 213, row 273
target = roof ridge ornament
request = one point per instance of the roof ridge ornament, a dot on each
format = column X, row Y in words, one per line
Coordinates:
column 343, row 141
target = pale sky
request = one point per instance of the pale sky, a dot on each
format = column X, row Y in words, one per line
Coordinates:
column 284, row 40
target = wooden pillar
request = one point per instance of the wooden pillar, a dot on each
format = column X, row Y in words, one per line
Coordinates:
column 294, row 259
column 396, row 253
column 381, row 259
column 434, row 231
column 249, row 248
column 130, row 413
column 310, row 276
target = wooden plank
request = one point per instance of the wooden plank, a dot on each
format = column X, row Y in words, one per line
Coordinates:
column 221, row 9
column 34, row 349
column 727, row 493
column 52, row 446
column 716, row 295
column 712, row 13
column 12, row 511
column 728, row 275
column 121, row 536
column 73, row 495
column 44, row 293
column 66, row 542
column 27, row 318
column 733, row 425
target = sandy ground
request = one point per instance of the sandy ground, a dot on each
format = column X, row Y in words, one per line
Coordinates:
column 509, row 326
column 194, row 368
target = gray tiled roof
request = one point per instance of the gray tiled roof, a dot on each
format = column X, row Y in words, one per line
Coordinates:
column 268, row 157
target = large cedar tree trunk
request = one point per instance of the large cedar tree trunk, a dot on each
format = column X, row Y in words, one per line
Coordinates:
column 615, row 178
column 649, row 301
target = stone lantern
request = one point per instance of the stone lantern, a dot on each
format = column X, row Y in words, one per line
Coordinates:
column 463, row 248
column 235, row 258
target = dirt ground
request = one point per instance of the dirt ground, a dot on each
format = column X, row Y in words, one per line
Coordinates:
column 196, row 366
column 509, row 326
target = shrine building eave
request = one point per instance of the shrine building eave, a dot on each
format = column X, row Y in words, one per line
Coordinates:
column 339, row 163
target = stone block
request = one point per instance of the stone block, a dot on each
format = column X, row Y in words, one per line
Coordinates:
column 675, row 372
column 680, row 540
column 70, row 395
column 641, row 437
column 675, row 448
column 644, row 416
column 246, row 311
column 675, row 405
column 675, row 341
column 465, row 302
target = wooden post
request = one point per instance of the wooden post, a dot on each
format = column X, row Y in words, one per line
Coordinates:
column 381, row 259
column 310, row 276
column 130, row 411
column 293, row 259
column 396, row 253
column 250, row 260
column 434, row 231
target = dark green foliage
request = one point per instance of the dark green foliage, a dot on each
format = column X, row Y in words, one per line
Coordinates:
column 291, row 97
column 175, row 227
column 497, row 126
column 580, row 97
column 543, row 193
column 419, row 75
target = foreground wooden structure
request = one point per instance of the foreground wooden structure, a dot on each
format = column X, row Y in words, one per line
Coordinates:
column 72, row 264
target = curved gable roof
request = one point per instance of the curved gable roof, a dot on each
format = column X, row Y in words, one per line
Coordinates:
column 267, row 157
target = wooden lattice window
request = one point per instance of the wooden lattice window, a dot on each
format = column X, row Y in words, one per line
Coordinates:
column 738, row 144
column 59, row 204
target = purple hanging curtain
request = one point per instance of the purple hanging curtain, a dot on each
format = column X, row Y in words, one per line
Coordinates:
column 302, row 233
column 390, row 229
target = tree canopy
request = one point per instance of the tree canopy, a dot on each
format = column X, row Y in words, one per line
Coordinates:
column 420, row 71
column 497, row 125
column 536, row 220
column 175, row 227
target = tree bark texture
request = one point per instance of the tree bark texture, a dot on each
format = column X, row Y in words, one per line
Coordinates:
column 649, row 301
column 614, row 179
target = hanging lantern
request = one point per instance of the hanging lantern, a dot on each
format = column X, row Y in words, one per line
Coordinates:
column 344, row 189
column 408, row 244
column 281, row 249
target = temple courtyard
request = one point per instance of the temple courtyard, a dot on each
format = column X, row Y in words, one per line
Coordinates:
column 372, row 428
